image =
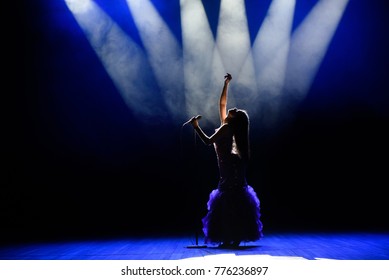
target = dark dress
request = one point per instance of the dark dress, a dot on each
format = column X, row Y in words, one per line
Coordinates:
column 233, row 208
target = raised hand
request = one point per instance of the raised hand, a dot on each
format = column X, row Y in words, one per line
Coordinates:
column 227, row 78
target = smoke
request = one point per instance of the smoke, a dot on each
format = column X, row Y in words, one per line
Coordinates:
column 123, row 59
column 309, row 45
column 163, row 79
column 163, row 52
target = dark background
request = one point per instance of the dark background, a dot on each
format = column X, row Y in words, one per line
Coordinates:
column 78, row 163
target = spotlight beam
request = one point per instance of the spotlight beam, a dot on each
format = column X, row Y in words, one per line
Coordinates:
column 309, row 44
column 124, row 61
column 202, row 63
column 270, row 52
column 163, row 52
column 233, row 43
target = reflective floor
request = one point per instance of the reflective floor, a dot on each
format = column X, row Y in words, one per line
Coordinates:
column 301, row 245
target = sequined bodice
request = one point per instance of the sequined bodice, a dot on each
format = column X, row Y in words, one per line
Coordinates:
column 232, row 170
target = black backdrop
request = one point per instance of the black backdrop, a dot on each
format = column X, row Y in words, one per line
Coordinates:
column 79, row 163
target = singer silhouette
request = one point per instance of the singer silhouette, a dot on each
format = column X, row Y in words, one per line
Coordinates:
column 233, row 207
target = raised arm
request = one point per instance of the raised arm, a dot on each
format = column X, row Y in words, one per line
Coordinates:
column 223, row 98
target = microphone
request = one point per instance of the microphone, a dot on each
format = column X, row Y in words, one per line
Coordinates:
column 196, row 118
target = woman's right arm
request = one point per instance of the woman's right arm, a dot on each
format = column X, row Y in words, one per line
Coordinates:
column 208, row 140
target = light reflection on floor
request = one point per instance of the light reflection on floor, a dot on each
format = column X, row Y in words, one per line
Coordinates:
column 274, row 246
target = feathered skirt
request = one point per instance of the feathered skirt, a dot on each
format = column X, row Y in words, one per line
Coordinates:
column 233, row 215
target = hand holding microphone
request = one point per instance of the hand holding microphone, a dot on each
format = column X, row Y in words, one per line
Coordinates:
column 192, row 119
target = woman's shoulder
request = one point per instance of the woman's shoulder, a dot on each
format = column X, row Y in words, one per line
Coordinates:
column 223, row 128
column 223, row 134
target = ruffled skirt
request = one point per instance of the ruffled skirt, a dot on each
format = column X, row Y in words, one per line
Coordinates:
column 233, row 215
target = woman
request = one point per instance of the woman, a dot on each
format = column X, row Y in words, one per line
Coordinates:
column 233, row 208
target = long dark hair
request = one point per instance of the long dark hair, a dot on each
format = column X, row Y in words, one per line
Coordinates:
column 240, row 125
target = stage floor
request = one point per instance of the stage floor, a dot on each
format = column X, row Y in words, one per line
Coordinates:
column 300, row 245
